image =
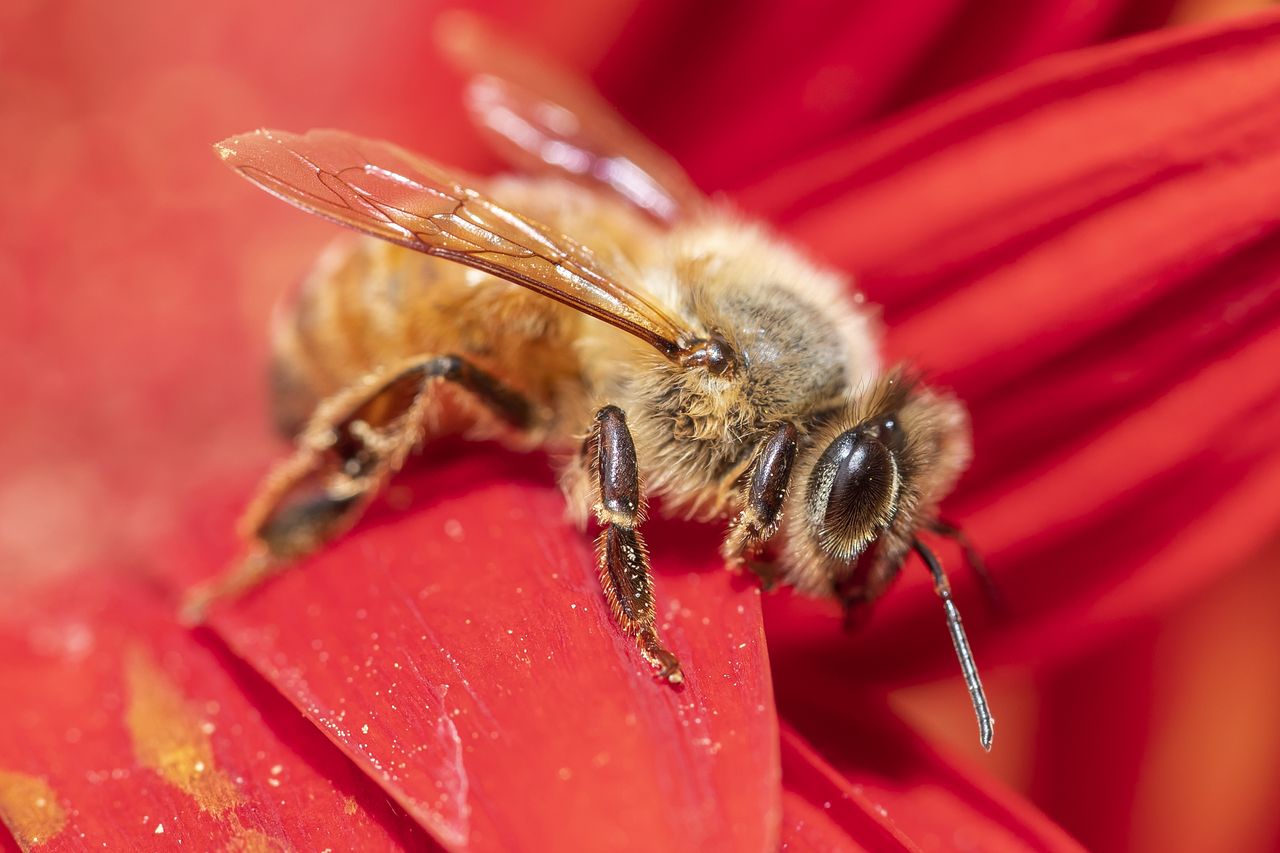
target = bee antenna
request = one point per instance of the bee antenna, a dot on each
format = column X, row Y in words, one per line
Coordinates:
column 986, row 724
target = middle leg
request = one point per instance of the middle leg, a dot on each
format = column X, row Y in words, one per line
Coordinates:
column 623, row 555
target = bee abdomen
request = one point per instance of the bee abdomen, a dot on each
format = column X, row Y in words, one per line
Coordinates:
column 292, row 397
column 346, row 319
column 368, row 304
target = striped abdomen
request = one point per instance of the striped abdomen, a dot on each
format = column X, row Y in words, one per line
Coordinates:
column 370, row 304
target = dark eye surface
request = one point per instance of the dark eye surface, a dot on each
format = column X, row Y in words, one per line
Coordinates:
column 861, row 477
column 852, row 488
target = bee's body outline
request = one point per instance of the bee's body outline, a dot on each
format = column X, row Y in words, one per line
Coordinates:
column 684, row 352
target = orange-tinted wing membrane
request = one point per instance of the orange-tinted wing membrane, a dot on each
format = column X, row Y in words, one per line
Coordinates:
column 542, row 118
column 385, row 191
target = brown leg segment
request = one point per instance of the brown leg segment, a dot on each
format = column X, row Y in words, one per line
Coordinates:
column 762, row 504
column 857, row 592
column 623, row 555
column 353, row 444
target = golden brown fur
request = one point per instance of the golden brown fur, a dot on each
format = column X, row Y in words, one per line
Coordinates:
column 805, row 341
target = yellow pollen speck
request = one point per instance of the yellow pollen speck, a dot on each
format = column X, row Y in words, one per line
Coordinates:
column 349, row 806
column 30, row 809
column 169, row 739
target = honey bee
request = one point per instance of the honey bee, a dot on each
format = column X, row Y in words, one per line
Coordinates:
column 670, row 346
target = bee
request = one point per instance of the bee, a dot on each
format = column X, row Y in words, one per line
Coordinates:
column 668, row 347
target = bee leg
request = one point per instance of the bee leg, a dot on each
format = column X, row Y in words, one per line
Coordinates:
column 856, row 597
column 352, row 445
column 990, row 590
column 623, row 555
column 762, row 501
column 768, row 572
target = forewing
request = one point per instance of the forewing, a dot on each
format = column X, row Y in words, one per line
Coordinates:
column 542, row 118
column 380, row 189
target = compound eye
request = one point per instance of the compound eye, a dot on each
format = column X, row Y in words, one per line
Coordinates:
column 853, row 492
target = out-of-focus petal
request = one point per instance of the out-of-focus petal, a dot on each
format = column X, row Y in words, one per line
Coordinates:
column 990, row 36
column 461, row 653
column 1108, row 310
column 703, row 83
column 733, row 96
column 1189, row 756
column 1003, row 166
column 890, row 791
column 1188, row 11
column 137, row 276
column 119, row 728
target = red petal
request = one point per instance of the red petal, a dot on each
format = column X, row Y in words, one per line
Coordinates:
column 703, row 84
column 733, row 97
column 821, row 811
column 1192, row 696
column 119, row 728
column 985, row 38
column 1124, row 296
column 890, row 791
column 461, row 653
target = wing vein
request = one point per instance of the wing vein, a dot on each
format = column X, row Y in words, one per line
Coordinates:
column 384, row 191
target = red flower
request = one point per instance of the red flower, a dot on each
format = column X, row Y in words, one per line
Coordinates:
column 1083, row 247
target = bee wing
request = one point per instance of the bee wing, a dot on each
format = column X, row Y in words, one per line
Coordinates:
column 380, row 189
column 542, row 118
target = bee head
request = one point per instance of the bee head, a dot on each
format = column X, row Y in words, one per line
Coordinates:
column 873, row 467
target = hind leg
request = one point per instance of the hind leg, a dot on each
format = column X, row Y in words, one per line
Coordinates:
column 353, row 444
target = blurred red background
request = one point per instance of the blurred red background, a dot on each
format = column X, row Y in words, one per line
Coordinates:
column 137, row 279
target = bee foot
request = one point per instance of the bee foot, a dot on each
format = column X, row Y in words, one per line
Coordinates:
column 256, row 567
column 768, row 573
column 667, row 664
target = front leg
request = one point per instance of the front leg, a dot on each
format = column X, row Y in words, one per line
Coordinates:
column 762, row 502
column 623, row 555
